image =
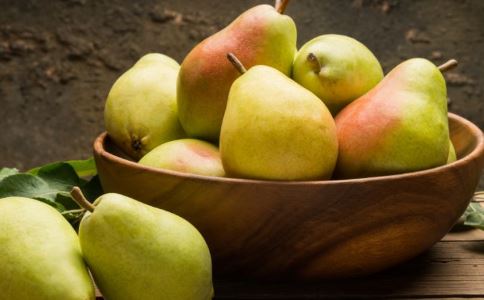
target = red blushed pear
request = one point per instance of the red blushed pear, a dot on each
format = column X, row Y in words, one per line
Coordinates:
column 399, row 126
column 260, row 36
column 186, row 155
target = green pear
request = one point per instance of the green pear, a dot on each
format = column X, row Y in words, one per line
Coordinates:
column 399, row 126
column 136, row 251
column 275, row 129
column 260, row 36
column 40, row 256
column 337, row 68
column 186, row 155
column 452, row 155
column 141, row 110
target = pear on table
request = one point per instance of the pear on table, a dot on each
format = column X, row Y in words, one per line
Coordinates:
column 186, row 155
column 136, row 251
column 141, row 110
column 275, row 129
column 261, row 35
column 337, row 68
column 399, row 126
column 40, row 255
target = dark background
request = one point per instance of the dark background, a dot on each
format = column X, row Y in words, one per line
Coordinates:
column 59, row 58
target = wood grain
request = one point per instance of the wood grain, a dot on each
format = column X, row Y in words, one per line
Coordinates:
column 448, row 270
column 452, row 269
column 309, row 230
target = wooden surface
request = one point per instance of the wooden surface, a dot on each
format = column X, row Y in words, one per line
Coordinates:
column 310, row 230
column 453, row 268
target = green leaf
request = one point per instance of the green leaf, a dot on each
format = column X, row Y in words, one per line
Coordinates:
column 54, row 204
column 92, row 189
column 60, row 176
column 83, row 168
column 65, row 199
column 74, row 217
column 5, row 172
column 474, row 215
column 30, row 186
column 52, row 184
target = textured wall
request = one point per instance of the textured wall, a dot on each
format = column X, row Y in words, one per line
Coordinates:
column 58, row 59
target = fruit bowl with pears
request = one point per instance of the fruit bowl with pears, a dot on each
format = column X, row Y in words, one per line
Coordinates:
column 293, row 164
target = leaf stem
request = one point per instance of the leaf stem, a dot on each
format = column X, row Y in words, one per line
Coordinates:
column 450, row 64
column 281, row 5
column 236, row 62
column 76, row 193
column 73, row 211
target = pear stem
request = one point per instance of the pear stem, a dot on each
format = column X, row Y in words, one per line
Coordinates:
column 236, row 62
column 76, row 193
column 450, row 64
column 281, row 5
column 313, row 60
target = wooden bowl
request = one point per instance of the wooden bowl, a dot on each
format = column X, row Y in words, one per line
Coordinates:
column 312, row 229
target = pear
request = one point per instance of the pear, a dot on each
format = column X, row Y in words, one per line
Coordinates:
column 261, row 35
column 275, row 129
column 337, row 68
column 40, row 256
column 452, row 155
column 186, row 155
column 141, row 111
column 399, row 126
column 136, row 251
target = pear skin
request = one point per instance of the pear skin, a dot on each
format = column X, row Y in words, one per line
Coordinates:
column 141, row 111
column 260, row 35
column 337, row 68
column 136, row 251
column 186, row 155
column 275, row 129
column 40, row 255
column 452, row 155
column 399, row 126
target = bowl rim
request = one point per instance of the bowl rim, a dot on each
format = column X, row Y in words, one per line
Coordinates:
column 476, row 153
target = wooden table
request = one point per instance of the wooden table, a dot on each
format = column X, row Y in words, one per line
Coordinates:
column 453, row 268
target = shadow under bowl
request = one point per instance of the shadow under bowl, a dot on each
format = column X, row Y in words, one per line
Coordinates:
column 309, row 230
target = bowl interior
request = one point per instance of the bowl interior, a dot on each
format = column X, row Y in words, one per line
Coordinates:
column 465, row 136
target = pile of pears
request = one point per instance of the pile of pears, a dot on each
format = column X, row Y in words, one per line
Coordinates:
column 246, row 103
column 132, row 251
